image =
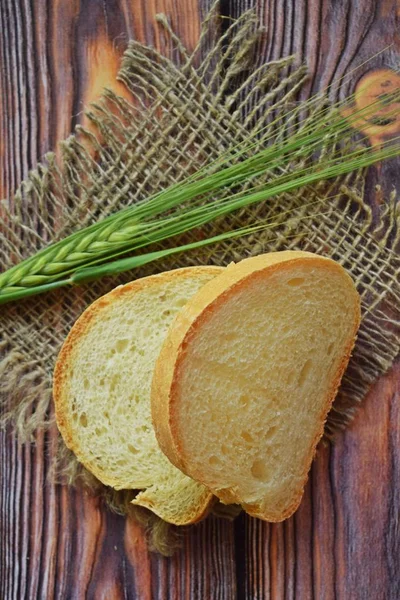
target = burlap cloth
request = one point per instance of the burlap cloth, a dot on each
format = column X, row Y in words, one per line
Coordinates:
column 177, row 115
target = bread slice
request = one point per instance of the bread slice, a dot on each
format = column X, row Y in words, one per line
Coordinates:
column 102, row 384
column 248, row 373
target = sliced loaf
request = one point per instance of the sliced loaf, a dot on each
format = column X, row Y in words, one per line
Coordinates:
column 102, row 386
column 248, row 373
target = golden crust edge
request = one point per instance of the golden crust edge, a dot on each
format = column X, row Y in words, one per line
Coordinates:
column 208, row 501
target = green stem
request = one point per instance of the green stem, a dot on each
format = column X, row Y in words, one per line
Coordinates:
column 33, row 291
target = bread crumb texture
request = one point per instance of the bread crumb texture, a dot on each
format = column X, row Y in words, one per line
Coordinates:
column 255, row 375
column 102, row 391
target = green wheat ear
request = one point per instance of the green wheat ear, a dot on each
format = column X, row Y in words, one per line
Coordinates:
column 292, row 159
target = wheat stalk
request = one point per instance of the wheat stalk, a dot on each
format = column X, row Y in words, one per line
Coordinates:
column 293, row 159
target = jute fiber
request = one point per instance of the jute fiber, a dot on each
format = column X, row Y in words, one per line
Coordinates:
column 182, row 114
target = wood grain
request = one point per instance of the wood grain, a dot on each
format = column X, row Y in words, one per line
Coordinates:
column 344, row 541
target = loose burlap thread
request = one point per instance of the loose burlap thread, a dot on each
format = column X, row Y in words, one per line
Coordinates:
column 178, row 115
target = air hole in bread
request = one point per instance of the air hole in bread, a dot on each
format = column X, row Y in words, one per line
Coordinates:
column 122, row 345
column 305, row 372
column 83, row 420
column 86, row 384
column 290, row 377
column 247, row 436
column 224, row 449
column 114, row 382
column 132, row 449
column 166, row 313
column 271, row 432
column 74, row 416
column 181, row 302
column 214, row 460
column 244, row 400
column 230, row 337
column 259, row 470
column 330, row 348
column 102, row 381
column 296, row 281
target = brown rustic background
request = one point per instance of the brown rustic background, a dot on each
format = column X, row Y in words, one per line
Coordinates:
column 344, row 541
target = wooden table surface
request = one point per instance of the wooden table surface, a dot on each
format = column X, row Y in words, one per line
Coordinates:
column 344, row 541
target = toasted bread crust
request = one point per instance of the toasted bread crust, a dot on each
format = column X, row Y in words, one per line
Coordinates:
column 65, row 362
column 164, row 397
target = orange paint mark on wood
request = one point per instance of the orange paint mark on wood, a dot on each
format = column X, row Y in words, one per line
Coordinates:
column 382, row 88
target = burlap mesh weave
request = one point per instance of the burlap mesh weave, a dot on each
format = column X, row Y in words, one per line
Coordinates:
column 183, row 114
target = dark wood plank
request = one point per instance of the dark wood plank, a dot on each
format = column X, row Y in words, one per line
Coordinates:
column 58, row 543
